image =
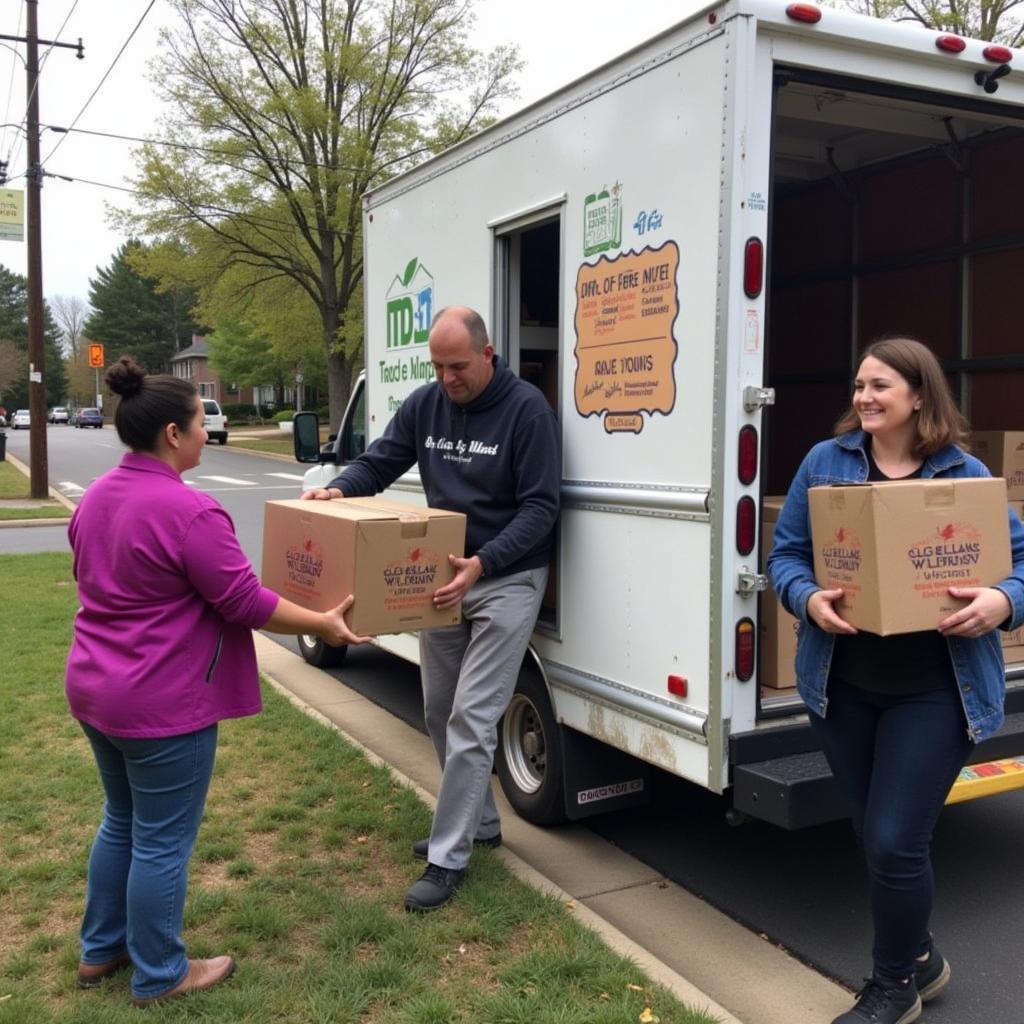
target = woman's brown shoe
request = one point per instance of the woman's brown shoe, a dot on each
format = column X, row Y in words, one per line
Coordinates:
column 90, row 975
column 202, row 974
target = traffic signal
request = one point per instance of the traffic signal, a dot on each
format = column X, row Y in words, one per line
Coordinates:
column 96, row 355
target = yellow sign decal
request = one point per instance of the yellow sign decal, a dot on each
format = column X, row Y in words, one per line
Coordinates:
column 626, row 309
column 12, row 214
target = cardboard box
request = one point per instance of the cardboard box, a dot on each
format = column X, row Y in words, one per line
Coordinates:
column 896, row 548
column 777, row 627
column 1013, row 655
column 391, row 556
column 1003, row 452
column 1012, row 637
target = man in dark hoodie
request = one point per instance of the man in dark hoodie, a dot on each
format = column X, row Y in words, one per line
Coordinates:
column 487, row 444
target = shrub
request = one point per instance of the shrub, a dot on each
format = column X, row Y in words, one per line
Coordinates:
column 284, row 416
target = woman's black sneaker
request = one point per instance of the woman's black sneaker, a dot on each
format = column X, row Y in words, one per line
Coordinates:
column 881, row 1002
column 931, row 976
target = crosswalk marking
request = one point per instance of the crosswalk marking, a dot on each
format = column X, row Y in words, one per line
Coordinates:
column 68, row 485
column 286, row 476
column 230, row 480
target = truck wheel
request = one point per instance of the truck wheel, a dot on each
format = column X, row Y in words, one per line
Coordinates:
column 319, row 653
column 529, row 754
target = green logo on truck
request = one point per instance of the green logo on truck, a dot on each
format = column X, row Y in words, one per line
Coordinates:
column 410, row 306
column 602, row 221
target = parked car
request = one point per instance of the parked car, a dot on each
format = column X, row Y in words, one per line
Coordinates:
column 89, row 418
column 58, row 414
column 21, row 419
column 215, row 421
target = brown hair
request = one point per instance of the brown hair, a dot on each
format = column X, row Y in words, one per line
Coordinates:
column 148, row 403
column 939, row 422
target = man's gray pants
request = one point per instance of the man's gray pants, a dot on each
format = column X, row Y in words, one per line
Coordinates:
column 469, row 674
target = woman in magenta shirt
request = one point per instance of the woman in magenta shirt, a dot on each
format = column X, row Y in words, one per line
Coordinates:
column 162, row 652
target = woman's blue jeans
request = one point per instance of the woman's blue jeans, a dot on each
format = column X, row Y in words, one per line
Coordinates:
column 138, row 869
column 895, row 758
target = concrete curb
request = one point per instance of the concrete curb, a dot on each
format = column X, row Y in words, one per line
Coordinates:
column 656, row 970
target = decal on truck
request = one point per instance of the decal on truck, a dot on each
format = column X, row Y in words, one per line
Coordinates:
column 626, row 309
column 602, row 221
column 410, row 312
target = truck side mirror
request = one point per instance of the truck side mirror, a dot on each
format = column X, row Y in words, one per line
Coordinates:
column 306, row 438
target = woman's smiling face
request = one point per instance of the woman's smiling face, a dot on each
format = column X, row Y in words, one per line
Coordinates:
column 883, row 399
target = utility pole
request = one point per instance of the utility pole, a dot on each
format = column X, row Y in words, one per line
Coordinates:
column 34, row 179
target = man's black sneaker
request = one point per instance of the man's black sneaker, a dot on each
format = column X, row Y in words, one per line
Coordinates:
column 931, row 976
column 421, row 846
column 435, row 887
column 883, row 1003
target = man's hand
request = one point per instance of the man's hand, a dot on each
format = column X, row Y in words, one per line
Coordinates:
column 467, row 572
column 987, row 609
column 335, row 631
column 821, row 611
column 321, row 494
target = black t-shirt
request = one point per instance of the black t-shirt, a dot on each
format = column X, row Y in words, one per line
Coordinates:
column 904, row 663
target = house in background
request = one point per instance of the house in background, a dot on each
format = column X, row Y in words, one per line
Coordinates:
column 193, row 364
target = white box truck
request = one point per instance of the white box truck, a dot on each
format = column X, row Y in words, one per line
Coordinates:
column 685, row 250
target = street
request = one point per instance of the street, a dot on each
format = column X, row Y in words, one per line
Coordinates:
column 804, row 890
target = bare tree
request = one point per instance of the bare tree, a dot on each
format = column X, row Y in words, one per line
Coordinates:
column 997, row 21
column 70, row 312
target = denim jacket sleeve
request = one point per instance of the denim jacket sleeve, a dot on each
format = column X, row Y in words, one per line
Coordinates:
column 791, row 561
column 1013, row 585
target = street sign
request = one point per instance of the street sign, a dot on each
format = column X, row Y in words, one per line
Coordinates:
column 96, row 355
column 12, row 214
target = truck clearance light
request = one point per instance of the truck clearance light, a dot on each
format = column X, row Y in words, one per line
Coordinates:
column 998, row 54
column 807, row 13
column 746, row 468
column 746, row 524
column 753, row 267
column 951, row 44
column 744, row 649
column 678, row 686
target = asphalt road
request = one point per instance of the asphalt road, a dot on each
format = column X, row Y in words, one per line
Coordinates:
column 805, row 890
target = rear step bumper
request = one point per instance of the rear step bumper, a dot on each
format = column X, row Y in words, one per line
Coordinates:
column 796, row 789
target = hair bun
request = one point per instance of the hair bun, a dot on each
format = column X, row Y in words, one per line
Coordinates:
column 125, row 377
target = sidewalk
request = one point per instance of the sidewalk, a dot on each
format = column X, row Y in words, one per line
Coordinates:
column 704, row 957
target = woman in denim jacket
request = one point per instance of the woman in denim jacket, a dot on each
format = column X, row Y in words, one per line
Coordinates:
column 896, row 716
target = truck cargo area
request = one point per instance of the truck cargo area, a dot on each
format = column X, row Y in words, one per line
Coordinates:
column 892, row 212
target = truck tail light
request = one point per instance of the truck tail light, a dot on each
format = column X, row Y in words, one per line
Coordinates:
column 745, row 647
column 746, row 462
column 678, row 686
column 951, row 44
column 998, row 54
column 753, row 268
column 807, row 13
column 746, row 524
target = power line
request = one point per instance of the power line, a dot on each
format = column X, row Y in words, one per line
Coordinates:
column 35, row 85
column 106, row 73
column 10, row 86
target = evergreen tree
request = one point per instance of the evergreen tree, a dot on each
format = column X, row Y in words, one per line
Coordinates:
column 14, row 327
column 132, row 317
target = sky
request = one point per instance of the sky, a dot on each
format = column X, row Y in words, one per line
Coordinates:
column 559, row 40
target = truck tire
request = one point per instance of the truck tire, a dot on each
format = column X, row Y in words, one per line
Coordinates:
column 529, row 754
column 319, row 653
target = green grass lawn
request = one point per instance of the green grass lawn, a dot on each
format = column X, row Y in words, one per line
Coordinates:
column 52, row 510
column 13, row 483
column 299, row 872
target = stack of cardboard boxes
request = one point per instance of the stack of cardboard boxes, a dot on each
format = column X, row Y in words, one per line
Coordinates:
column 1003, row 452
column 778, row 627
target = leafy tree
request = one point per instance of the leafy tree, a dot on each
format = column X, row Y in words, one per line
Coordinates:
column 992, row 20
column 12, row 365
column 14, row 327
column 296, row 108
column 133, row 316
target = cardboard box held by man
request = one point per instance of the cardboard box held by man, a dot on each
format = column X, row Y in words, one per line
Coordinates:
column 896, row 548
column 391, row 556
